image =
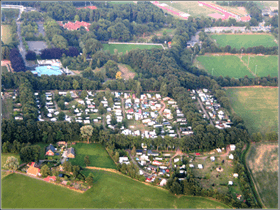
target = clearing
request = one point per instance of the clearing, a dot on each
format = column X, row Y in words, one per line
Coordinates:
column 262, row 160
column 226, row 65
column 239, row 40
column 266, row 65
column 258, row 107
column 127, row 47
column 6, row 34
column 7, row 108
column 127, row 71
column 110, row 190
column 98, row 156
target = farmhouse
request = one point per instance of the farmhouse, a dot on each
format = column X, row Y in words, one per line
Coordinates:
column 50, row 150
column 33, row 170
column 50, row 178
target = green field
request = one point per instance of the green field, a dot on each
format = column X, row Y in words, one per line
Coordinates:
column 238, row 41
column 6, row 34
column 226, row 65
column 97, row 154
column 110, row 190
column 262, row 160
column 258, row 107
column 127, row 47
column 266, row 65
column 4, row 69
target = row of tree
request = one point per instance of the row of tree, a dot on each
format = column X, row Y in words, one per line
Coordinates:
column 17, row 61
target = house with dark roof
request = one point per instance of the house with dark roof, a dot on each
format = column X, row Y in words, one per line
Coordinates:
column 150, row 152
column 71, row 152
column 50, row 150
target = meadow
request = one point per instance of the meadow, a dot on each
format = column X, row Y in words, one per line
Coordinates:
column 127, row 47
column 266, row 65
column 226, row 65
column 258, row 107
column 97, row 154
column 239, row 41
column 6, row 34
column 262, row 160
column 110, row 190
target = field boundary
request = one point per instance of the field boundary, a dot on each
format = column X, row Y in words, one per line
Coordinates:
column 254, row 86
column 137, row 44
column 251, row 178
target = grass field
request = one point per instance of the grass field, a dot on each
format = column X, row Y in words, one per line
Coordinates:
column 258, row 107
column 226, row 65
column 238, row 41
column 110, row 190
column 97, row 154
column 192, row 8
column 6, row 34
column 262, row 160
column 127, row 47
column 266, row 65
column 263, row 4
column 210, row 172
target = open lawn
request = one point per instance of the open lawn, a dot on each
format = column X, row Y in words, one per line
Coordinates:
column 258, row 107
column 110, row 190
column 6, row 34
column 127, row 47
column 239, row 41
column 7, row 108
column 266, row 65
column 262, row 159
column 263, row 4
column 97, row 154
column 226, row 65
column 4, row 157
column 127, row 71
column 209, row 171
column 192, row 8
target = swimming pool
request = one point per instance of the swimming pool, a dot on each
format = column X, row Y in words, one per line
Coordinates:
column 48, row 70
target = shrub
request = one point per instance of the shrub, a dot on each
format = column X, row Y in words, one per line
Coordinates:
column 68, row 183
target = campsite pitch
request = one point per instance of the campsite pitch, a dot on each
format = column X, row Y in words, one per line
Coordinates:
column 110, row 190
column 262, row 160
column 239, row 41
column 258, row 107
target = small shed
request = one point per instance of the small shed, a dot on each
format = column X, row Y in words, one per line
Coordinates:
column 230, row 182
column 231, row 156
column 212, row 158
column 200, row 166
column 235, row 175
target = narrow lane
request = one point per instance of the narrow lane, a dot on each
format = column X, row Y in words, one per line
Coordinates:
column 201, row 105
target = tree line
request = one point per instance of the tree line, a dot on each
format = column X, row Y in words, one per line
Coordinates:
column 17, row 61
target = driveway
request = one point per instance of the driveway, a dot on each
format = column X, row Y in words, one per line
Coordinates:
column 202, row 107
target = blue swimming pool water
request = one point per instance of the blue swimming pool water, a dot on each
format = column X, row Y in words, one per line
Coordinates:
column 54, row 70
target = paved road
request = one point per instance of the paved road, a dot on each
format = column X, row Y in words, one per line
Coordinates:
column 41, row 28
column 134, row 162
column 202, row 107
column 21, row 47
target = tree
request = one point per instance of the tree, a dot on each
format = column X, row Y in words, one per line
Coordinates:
column 61, row 116
column 11, row 163
column 76, row 171
column 30, row 55
column 163, row 89
column 59, row 41
column 87, row 161
column 67, row 166
column 89, row 180
column 76, row 18
column 118, row 75
column 61, row 104
column 76, row 84
column 86, row 132
column 45, row 171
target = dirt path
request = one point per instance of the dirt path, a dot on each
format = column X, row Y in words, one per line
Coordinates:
column 178, row 152
column 161, row 110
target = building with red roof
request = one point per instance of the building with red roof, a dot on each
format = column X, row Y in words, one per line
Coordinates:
column 245, row 18
column 73, row 26
column 50, row 178
column 197, row 153
column 88, row 7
